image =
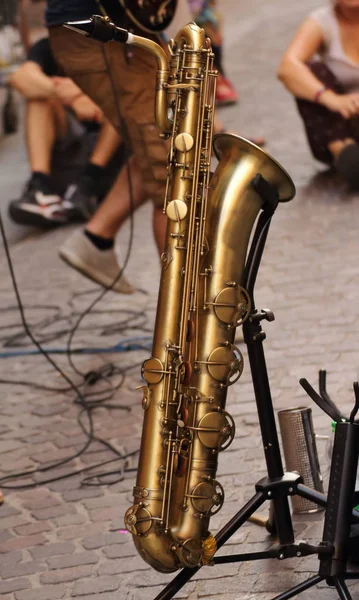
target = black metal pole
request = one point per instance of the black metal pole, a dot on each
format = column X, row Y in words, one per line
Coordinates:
column 253, row 337
column 342, row 589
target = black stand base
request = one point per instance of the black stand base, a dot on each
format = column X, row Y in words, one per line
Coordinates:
column 278, row 486
column 266, row 489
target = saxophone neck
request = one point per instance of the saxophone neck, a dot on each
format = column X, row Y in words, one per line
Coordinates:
column 103, row 30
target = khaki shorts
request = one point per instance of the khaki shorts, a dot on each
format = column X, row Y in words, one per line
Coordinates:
column 124, row 88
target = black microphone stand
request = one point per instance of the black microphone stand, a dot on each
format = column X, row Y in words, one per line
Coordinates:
column 333, row 549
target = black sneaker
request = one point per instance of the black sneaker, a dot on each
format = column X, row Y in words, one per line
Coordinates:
column 82, row 198
column 38, row 207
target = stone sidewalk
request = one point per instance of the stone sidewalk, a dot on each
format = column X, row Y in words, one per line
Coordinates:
column 66, row 539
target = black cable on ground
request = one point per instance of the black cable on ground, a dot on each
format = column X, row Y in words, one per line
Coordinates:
column 82, row 398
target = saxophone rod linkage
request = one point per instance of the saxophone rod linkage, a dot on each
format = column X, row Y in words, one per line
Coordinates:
column 103, row 30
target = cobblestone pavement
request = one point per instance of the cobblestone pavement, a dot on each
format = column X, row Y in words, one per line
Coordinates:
column 64, row 539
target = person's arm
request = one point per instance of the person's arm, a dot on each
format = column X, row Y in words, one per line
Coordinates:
column 293, row 71
column 32, row 83
column 299, row 79
column 71, row 95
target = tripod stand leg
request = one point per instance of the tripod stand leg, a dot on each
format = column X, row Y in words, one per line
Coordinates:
column 342, row 589
column 228, row 530
column 301, row 587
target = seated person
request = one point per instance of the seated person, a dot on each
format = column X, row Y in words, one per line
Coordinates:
column 321, row 69
column 69, row 145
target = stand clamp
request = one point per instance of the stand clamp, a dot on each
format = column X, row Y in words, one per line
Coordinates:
column 276, row 487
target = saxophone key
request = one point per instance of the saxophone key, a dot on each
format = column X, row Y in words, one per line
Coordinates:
column 207, row 498
column 138, row 520
column 216, row 430
column 184, row 142
column 176, row 210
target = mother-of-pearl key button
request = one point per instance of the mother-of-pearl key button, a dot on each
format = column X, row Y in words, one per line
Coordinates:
column 176, row 210
column 184, row 142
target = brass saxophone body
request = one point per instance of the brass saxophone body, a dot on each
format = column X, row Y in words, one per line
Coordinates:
column 201, row 302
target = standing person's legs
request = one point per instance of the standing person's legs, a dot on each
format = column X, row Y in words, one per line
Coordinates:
column 89, row 64
column 91, row 251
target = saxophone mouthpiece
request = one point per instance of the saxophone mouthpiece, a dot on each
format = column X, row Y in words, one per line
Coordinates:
column 101, row 29
column 86, row 28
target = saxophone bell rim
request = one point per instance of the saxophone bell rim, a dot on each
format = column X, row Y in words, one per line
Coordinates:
column 284, row 182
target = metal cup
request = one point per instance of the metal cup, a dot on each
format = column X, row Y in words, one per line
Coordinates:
column 300, row 453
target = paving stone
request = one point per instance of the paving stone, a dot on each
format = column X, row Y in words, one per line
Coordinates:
column 48, row 592
column 6, row 510
column 52, row 549
column 81, row 494
column 8, row 446
column 66, row 520
column 108, row 513
column 54, row 511
column 105, row 596
column 10, row 522
column 120, row 550
column 278, row 582
column 31, row 528
column 125, row 565
column 73, row 560
column 43, row 501
column 103, row 539
column 20, row 543
column 5, row 535
column 20, row 569
column 13, row 585
column 97, row 586
column 80, row 531
column 225, row 585
column 66, row 575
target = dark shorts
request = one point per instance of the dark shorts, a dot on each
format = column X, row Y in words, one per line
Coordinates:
column 123, row 86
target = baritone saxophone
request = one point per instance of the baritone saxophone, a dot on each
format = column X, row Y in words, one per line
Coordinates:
column 201, row 302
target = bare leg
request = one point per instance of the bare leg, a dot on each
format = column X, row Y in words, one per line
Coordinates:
column 116, row 207
column 337, row 146
column 107, row 143
column 45, row 122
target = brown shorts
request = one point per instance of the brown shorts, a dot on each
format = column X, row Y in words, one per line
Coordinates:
column 124, row 88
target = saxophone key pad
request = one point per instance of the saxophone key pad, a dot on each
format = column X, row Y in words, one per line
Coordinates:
column 184, row 142
column 176, row 210
column 153, row 370
column 232, row 305
column 138, row 520
column 225, row 364
column 207, row 498
column 190, row 552
column 216, row 430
